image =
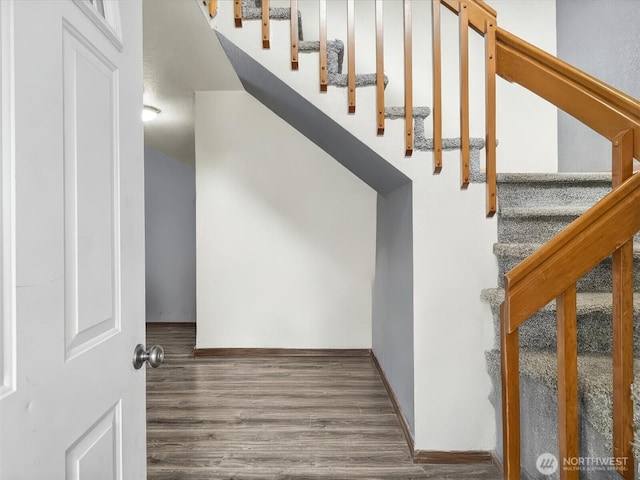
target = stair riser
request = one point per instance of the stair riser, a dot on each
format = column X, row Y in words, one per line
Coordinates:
column 533, row 229
column 539, row 431
column 597, row 280
column 544, row 195
column 594, row 331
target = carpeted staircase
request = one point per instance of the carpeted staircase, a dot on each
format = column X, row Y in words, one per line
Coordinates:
column 251, row 10
column 533, row 208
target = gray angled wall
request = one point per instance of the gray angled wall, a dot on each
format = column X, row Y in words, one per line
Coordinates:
column 392, row 322
column 601, row 37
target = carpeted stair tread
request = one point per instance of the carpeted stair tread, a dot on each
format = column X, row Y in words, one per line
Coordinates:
column 536, row 224
column 548, row 190
column 587, row 301
column 335, row 57
column 515, row 250
column 599, row 279
column 594, row 317
column 423, row 143
column 394, row 113
column 543, row 211
column 250, row 12
column 523, row 250
column 310, row 45
column 594, row 382
column 571, row 179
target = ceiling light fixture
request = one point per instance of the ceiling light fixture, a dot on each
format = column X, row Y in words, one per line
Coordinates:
column 149, row 113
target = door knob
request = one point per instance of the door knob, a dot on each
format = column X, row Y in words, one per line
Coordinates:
column 154, row 356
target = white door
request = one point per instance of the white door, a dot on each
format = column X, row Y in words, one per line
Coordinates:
column 71, row 404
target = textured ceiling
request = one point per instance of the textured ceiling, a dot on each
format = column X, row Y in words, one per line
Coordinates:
column 181, row 55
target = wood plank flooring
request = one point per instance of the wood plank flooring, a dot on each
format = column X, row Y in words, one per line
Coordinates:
column 275, row 418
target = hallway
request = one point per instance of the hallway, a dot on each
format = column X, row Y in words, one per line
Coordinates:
column 275, row 418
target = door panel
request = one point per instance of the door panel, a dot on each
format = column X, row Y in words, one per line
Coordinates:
column 78, row 407
column 97, row 454
column 92, row 244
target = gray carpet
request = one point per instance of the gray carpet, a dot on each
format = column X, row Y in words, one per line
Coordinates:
column 533, row 208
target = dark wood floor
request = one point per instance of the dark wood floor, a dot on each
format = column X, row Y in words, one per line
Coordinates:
column 275, row 418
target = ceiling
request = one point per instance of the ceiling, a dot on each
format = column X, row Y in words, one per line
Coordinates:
column 182, row 55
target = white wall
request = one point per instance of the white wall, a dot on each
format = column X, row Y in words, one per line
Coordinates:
column 452, row 240
column 285, row 235
column 170, row 238
column 453, row 262
column 527, row 124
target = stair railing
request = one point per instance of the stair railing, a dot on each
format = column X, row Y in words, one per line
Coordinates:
column 551, row 272
column 475, row 14
column 483, row 19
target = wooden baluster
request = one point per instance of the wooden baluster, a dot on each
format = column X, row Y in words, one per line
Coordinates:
column 213, row 8
column 324, row 74
column 568, row 424
column 379, row 68
column 490, row 115
column 623, row 323
column 437, row 86
column 351, row 53
column 294, row 34
column 237, row 12
column 408, row 79
column 463, row 17
column 265, row 24
column 510, row 373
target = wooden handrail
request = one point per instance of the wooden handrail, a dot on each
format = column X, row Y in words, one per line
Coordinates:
column 596, row 104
